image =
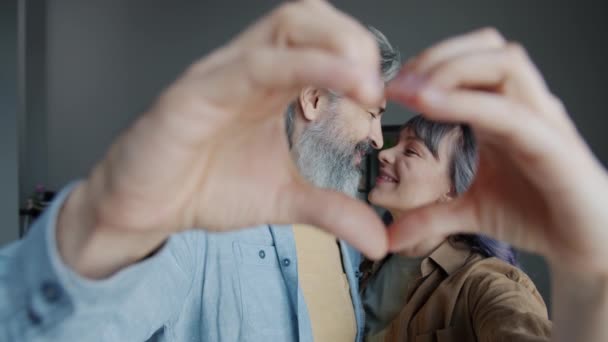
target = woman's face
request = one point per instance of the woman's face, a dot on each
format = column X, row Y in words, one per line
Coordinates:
column 411, row 176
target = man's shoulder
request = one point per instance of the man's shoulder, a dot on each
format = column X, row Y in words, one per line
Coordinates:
column 9, row 250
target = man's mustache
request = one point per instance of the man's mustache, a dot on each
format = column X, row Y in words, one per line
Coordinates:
column 364, row 147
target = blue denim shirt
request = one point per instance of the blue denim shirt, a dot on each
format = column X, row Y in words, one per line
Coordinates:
column 200, row 286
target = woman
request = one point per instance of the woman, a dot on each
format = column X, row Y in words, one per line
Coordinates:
column 469, row 287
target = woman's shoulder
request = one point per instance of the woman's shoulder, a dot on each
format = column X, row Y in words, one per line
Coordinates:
column 494, row 269
column 493, row 278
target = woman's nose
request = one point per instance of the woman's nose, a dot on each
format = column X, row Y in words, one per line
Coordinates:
column 387, row 156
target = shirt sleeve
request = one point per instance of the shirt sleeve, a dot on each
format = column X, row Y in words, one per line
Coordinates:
column 386, row 292
column 508, row 308
column 42, row 299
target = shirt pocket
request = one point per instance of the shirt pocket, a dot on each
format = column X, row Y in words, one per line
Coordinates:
column 440, row 335
column 264, row 294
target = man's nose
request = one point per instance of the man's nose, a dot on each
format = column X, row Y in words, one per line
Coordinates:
column 375, row 134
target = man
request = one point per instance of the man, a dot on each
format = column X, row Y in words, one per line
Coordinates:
column 269, row 282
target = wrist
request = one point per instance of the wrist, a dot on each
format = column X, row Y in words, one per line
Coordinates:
column 91, row 248
column 75, row 227
column 580, row 305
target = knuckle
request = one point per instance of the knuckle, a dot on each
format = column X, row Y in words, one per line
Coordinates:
column 516, row 51
column 285, row 12
column 349, row 44
column 509, row 133
column 492, row 35
column 514, row 109
column 516, row 55
column 557, row 103
column 369, row 45
column 355, row 48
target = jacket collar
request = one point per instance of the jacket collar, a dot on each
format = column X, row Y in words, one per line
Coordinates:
column 449, row 256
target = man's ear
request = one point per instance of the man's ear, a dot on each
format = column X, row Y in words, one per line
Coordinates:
column 309, row 103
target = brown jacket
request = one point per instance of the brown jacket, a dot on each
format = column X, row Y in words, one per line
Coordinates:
column 459, row 296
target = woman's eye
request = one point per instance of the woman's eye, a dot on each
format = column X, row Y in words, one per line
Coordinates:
column 410, row 152
column 373, row 116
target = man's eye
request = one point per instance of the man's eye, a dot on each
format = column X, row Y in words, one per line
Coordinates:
column 372, row 115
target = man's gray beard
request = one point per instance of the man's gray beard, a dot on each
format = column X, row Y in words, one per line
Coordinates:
column 325, row 156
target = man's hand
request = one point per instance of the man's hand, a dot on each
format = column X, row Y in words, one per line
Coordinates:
column 213, row 152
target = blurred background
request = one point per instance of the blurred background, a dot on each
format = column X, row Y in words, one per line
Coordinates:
column 74, row 74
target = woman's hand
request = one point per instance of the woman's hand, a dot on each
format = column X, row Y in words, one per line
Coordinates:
column 538, row 186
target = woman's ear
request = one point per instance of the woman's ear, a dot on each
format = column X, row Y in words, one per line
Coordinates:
column 448, row 196
column 309, row 103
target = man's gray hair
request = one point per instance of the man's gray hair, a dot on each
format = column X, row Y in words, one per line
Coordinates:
column 390, row 63
column 390, row 59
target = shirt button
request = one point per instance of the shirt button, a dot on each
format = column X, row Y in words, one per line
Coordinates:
column 286, row 262
column 33, row 317
column 262, row 254
column 51, row 292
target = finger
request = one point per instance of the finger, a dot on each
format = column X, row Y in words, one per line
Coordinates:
column 487, row 113
column 284, row 72
column 415, row 229
column 294, row 69
column 521, row 135
column 338, row 214
column 498, row 120
column 508, row 70
column 318, row 25
column 480, row 40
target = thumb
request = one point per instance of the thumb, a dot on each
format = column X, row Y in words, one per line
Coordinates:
column 418, row 230
column 340, row 215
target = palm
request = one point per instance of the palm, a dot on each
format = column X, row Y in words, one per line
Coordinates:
column 519, row 208
column 506, row 203
column 245, row 166
column 249, row 172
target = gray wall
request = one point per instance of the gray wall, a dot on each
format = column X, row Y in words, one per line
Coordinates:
column 9, row 125
column 108, row 59
column 33, row 142
column 100, row 63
